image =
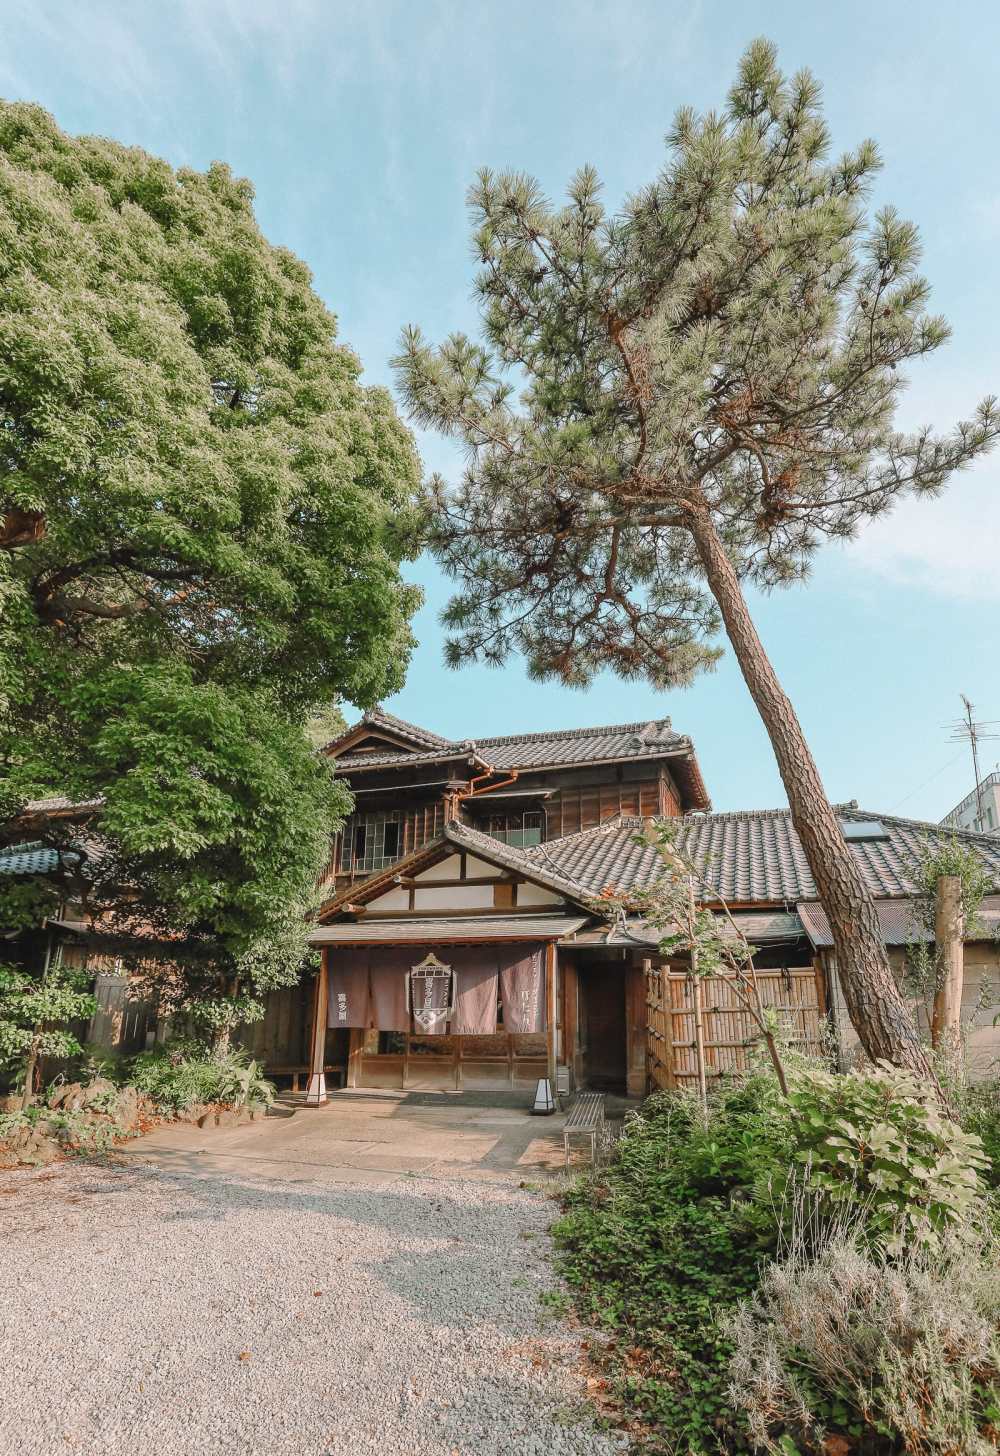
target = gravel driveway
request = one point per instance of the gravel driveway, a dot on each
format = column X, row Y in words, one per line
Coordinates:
column 153, row 1310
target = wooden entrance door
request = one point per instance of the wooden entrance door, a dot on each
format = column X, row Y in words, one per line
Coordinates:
column 602, row 1025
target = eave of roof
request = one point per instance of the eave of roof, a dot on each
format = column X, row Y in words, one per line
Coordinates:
column 456, row 752
column 454, row 929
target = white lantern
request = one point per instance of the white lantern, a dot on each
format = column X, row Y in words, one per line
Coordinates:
column 545, row 1103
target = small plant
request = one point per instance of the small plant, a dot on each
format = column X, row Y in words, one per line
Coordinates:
column 182, row 1074
column 896, row 1356
column 879, row 1140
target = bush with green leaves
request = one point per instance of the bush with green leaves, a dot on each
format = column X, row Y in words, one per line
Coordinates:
column 895, row 1355
column 665, row 1241
column 36, row 1012
column 880, row 1141
column 72, row 1128
column 181, row 1074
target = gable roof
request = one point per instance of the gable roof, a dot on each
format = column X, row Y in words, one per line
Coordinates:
column 455, row 837
column 526, row 752
column 378, row 722
column 749, row 857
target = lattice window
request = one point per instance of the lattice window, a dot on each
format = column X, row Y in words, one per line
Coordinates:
column 370, row 842
column 519, row 828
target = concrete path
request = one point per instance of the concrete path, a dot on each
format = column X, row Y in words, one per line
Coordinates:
column 381, row 1136
column 365, row 1280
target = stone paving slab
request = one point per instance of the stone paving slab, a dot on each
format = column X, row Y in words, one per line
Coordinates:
column 380, row 1134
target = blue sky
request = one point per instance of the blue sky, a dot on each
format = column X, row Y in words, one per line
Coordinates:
column 361, row 126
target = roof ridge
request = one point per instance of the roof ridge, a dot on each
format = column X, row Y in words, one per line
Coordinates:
column 379, row 715
column 606, row 730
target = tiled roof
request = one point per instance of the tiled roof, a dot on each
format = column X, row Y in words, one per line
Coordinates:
column 398, row 727
column 615, row 743
column 582, row 745
column 760, row 927
column 355, row 762
column 899, row 925
column 748, row 857
column 35, row 861
column 58, row 804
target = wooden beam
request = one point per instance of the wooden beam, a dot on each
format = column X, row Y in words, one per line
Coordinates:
column 316, row 1091
column 550, row 1014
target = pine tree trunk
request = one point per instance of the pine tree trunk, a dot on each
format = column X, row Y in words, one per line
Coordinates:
column 874, row 1001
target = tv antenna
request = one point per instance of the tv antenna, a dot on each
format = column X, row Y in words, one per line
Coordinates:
column 969, row 730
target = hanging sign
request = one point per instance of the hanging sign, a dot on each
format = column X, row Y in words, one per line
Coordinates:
column 430, row 995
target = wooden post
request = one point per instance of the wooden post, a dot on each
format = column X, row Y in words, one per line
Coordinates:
column 354, row 1055
column 699, row 1028
column 699, row 1042
column 946, row 1023
column 316, row 1091
column 667, row 992
column 550, row 1014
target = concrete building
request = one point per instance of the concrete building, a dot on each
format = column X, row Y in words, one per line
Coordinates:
column 966, row 815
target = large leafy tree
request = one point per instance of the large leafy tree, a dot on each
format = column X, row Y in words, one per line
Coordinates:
column 200, row 511
column 707, row 386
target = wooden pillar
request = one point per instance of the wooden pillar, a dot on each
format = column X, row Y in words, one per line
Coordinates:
column 946, row 1026
column 550, row 1012
column 355, row 1051
column 636, row 1073
column 316, row 1091
column 571, row 1021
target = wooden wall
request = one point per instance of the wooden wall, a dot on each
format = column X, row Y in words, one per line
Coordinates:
column 281, row 1039
column 586, row 804
column 980, row 1003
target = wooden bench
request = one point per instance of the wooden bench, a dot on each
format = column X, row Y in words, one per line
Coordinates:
column 586, row 1119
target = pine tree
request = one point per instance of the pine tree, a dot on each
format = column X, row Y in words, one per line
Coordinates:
column 708, row 381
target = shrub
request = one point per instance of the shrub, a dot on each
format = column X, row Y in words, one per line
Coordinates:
column 74, row 1130
column 880, row 1141
column 666, row 1240
column 895, row 1356
column 182, row 1074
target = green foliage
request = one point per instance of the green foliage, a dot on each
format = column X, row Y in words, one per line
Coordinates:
column 201, row 520
column 666, row 1241
column 718, row 362
column 900, row 1356
column 936, row 858
column 880, row 1142
column 661, row 1247
column 181, row 1074
column 75, row 1130
column 325, row 724
column 34, row 1012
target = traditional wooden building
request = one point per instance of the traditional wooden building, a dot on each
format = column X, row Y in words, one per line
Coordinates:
column 461, row 943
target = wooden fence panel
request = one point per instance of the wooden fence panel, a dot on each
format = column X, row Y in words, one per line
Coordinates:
column 121, row 1022
column 729, row 1031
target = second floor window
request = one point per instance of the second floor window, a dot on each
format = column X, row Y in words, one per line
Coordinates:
column 370, row 842
column 520, row 829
